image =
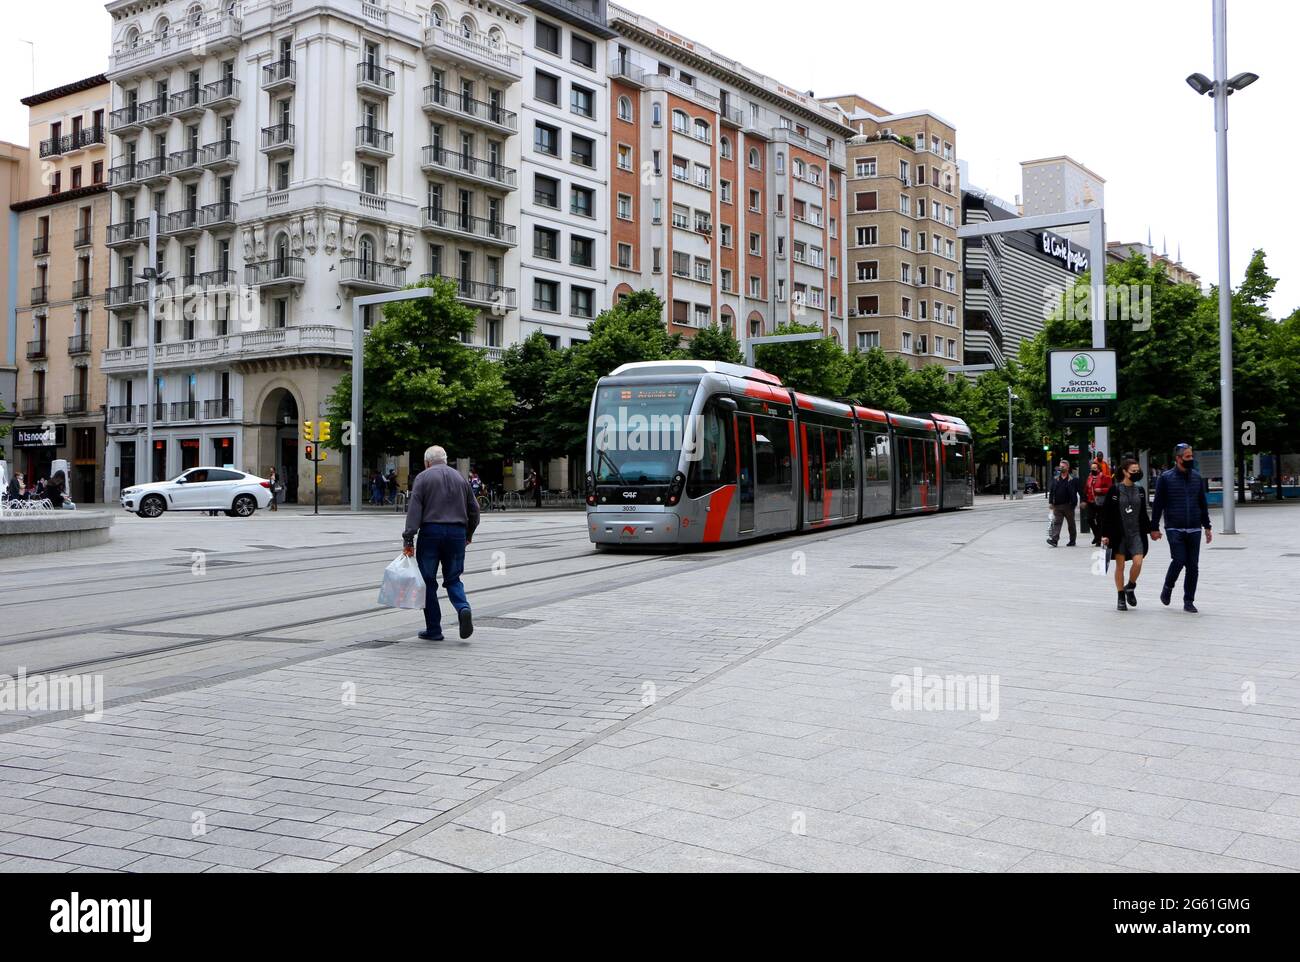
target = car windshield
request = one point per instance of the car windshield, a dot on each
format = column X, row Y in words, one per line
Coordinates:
column 639, row 431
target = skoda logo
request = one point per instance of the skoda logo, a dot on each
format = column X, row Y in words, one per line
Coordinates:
column 1081, row 365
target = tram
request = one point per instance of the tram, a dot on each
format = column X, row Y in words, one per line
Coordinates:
column 705, row 452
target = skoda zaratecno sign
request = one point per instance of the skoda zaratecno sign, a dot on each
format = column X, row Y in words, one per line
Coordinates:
column 1083, row 375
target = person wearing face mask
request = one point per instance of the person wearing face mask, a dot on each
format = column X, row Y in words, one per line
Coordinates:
column 1180, row 500
column 1124, row 528
column 1095, row 489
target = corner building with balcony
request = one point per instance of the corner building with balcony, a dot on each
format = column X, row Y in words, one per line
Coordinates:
column 903, row 210
column 726, row 187
column 60, row 320
column 300, row 153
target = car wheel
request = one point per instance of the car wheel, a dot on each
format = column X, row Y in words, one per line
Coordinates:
column 152, row 507
column 244, row 506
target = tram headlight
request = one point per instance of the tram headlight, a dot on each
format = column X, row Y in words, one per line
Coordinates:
column 590, row 481
column 675, row 489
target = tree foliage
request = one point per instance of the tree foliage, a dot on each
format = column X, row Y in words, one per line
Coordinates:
column 423, row 385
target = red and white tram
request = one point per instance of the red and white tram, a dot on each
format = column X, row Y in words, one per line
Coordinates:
column 704, row 452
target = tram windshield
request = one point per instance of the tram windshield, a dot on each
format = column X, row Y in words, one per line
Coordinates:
column 639, row 431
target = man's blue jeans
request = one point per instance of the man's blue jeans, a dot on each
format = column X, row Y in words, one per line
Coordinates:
column 441, row 544
column 1185, row 552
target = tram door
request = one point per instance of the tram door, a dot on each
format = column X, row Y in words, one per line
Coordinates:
column 745, row 438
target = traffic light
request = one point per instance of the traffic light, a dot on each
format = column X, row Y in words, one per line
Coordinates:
column 307, row 430
column 324, row 432
column 308, row 452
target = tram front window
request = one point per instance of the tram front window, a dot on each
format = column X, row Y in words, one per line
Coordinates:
column 639, row 432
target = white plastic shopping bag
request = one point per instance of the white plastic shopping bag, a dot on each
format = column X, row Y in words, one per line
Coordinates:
column 403, row 585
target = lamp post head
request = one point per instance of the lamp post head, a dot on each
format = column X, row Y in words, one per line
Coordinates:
column 1200, row 83
column 1241, row 81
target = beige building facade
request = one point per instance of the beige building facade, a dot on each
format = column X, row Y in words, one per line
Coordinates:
column 13, row 188
column 59, row 318
column 903, row 259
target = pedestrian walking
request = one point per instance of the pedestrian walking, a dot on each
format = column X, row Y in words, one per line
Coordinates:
column 534, row 486
column 390, row 483
column 1180, row 501
column 376, row 488
column 443, row 512
column 276, row 488
column 1062, row 497
column 1125, row 525
column 17, row 489
column 1095, row 489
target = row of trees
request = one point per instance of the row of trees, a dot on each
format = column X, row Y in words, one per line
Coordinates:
column 423, row 383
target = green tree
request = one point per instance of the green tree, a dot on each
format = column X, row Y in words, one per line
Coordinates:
column 714, row 343
column 814, row 367
column 423, row 385
column 876, row 379
column 527, row 369
column 630, row 331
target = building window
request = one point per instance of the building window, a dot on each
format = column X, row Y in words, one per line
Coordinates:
column 582, row 51
column 907, row 340
column 583, row 151
column 97, row 172
column 625, row 109
column 868, row 305
column 907, row 307
column 681, row 168
column 624, row 208
column 724, row 279
column 546, row 191
column 625, row 256
column 548, row 37
column 582, row 201
column 868, row 270
column 756, row 245
column 581, row 301
column 681, row 264
column 724, row 191
column 868, row 339
column 724, row 235
column 546, row 243
column 681, row 312
column 546, row 139
column 725, row 148
column 656, row 115
column 582, row 101
column 755, row 201
column 865, row 200
column 756, row 287
column 582, row 251
column 546, row 296
column 681, row 122
column 624, row 157
column 755, row 160
column 547, row 88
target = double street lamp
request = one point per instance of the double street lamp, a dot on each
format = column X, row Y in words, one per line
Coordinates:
column 1221, row 88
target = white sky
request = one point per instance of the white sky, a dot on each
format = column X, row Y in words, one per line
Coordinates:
column 1017, row 77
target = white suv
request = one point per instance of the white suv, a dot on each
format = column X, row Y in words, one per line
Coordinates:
column 236, row 493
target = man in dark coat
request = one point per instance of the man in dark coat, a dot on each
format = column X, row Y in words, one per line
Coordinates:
column 1180, row 500
column 1062, row 497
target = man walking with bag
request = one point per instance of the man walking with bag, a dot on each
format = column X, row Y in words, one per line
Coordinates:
column 1062, row 496
column 444, row 513
column 1180, row 499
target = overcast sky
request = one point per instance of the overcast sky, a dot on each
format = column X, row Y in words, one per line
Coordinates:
column 1019, row 78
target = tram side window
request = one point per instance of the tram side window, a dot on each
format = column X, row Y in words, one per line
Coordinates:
column 905, row 465
column 848, row 460
column 882, row 457
column 920, row 468
column 716, row 462
column 816, row 463
column 772, row 439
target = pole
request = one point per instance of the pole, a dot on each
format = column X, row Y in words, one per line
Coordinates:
column 1098, row 307
column 1011, row 451
column 358, row 375
column 149, row 386
column 1225, row 267
column 315, row 480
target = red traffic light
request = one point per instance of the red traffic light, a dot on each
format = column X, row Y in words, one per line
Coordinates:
column 309, row 452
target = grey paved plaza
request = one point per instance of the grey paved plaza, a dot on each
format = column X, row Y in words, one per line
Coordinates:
column 747, row 709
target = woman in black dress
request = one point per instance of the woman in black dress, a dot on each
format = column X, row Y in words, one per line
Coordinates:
column 1125, row 525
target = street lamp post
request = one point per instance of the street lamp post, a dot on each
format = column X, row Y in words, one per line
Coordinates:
column 1011, row 451
column 1222, row 87
column 154, row 277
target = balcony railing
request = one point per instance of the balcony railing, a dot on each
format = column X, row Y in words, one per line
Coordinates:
column 462, row 163
column 375, row 140
column 79, row 343
column 154, row 111
column 124, row 118
column 81, row 287
column 33, row 406
column 222, row 348
column 87, row 136
column 225, row 90
column 41, row 294
column 281, row 270
column 127, row 231
column 277, row 136
column 81, row 237
column 220, row 154
column 375, row 77
column 121, row 175
column 478, row 50
column 445, row 219
column 189, row 100
column 221, row 213
column 625, row 68
column 125, row 295
column 40, row 245
column 37, row 349
column 209, row 33
column 219, row 409
column 445, row 99
column 53, row 146
column 74, row 404
column 126, row 413
column 185, row 410
column 151, row 168
column 368, row 273
column 185, row 160
column 181, row 221
column 479, row 292
column 278, row 73
column 217, row 278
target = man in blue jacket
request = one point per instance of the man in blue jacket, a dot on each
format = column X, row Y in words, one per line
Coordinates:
column 1180, row 499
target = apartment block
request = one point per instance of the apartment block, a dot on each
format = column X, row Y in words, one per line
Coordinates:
column 726, row 187
column 903, row 208
column 13, row 188
column 60, row 319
